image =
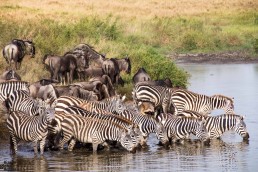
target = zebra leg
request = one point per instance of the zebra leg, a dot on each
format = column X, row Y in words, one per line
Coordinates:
column 71, row 144
column 42, row 146
column 35, row 146
column 63, row 141
column 13, row 144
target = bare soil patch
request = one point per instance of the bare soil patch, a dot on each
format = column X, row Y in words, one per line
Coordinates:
column 214, row 58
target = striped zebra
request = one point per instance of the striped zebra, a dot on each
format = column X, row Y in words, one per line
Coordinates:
column 186, row 100
column 20, row 100
column 111, row 104
column 218, row 125
column 95, row 131
column 29, row 128
column 6, row 88
column 158, row 95
column 179, row 129
column 146, row 125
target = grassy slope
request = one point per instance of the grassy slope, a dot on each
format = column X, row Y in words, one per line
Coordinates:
column 145, row 30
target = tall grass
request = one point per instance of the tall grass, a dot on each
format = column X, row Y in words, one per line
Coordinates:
column 146, row 31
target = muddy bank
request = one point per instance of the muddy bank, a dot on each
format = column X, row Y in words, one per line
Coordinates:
column 214, row 58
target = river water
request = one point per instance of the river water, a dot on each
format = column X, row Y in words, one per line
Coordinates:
column 228, row 154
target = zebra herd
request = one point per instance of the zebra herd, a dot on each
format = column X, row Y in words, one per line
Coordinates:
column 173, row 114
column 71, row 119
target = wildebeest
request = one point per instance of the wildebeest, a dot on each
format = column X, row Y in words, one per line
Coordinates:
column 34, row 87
column 10, row 75
column 124, row 64
column 106, row 81
column 160, row 82
column 76, row 91
column 61, row 66
column 141, row 75
column 93, row 72
column 16, row 50
column 82, row 62
column 95, row 58
column 111, row 68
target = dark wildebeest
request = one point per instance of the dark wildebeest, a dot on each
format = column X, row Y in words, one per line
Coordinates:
column 92, row 72
column 61, row 66
column 107, row 84
column 10, row 75
column 82, row 62
column 140, row 76
column 111, row 68
column 16, row 50
column 124, row 64
column 76, row 91
column 34, row 87
column 160, row 82
column 95, row 59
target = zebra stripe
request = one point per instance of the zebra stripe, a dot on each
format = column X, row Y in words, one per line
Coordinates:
column 6, row 88
column 20, row 100
column 95, row 131
column 181, row 128
column 29, row 128
column 187, row 100
column 146, row 125
column 218, row 125
column 158, row 95
column 63, row 102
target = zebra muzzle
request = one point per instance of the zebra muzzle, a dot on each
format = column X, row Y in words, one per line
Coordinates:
column 246, row 136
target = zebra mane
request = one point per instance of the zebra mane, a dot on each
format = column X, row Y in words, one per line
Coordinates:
column 222, row 97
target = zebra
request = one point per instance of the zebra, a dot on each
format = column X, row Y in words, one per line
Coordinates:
column 218, row 125
column 6, row 88
column 95, row 131
column 180, row 128
column 158, row 95
column 20, row 100
column 109, row 104
column 108, row 117
column 146, row 125
column 29, row 128
column 186, row 100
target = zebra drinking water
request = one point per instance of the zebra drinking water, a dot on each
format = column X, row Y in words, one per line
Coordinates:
column 95, row 131
column 218, row 125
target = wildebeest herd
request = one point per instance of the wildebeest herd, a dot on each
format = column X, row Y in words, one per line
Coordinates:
column 58, row 110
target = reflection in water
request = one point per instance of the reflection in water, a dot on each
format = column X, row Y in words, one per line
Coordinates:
column 228, row 154
column 20, row 163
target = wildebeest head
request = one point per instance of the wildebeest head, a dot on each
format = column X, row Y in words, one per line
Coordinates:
column 30, row 48
column 128, row 62
column 10, row 75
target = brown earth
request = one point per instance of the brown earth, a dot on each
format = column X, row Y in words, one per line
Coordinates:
column 214, row 58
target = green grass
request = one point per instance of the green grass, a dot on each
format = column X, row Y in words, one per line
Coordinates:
column 147, row 44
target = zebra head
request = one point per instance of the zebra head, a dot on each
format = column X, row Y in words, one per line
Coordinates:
column 50, row 115
column 116, row 104
column 240, row 128
column 226, row 103
column 128, row 141
column 201, row 132
column 161, row 134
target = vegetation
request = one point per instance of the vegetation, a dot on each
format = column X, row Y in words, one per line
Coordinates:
column 145, row 30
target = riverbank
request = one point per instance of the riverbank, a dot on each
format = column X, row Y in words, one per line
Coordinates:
column 214, row 58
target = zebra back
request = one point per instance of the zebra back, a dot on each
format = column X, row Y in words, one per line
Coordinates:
column 158, row 95
column 6, row 88
column 96, row 131
column 20, row 100
column 181, row 128
column 63, row 102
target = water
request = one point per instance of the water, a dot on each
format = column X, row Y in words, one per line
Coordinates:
column 229, row 154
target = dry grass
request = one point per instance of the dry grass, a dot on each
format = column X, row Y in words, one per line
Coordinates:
column 127, row 9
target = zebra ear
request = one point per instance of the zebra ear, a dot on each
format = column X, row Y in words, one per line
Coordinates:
column 139, row 103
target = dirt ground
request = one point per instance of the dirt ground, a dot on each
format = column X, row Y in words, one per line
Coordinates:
column 218, row 58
